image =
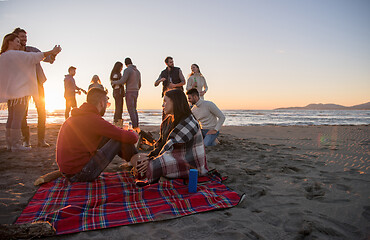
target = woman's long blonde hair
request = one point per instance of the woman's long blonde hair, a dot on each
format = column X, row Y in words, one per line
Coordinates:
column 95, row 79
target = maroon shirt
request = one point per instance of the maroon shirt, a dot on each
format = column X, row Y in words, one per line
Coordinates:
column 80, row 135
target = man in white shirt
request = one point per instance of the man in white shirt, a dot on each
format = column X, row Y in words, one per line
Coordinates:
column 208, row 114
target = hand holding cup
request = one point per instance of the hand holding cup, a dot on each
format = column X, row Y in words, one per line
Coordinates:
column 140, row 161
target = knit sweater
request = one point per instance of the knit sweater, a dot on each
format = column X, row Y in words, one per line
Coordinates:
column 208, row 114
column 18, row 74
column 201, row 83
column 80, row 135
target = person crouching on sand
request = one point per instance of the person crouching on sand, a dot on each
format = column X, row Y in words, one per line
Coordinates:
column 87, row 143
column 180, row 146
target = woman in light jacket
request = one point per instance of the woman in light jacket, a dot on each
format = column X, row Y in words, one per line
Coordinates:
column 196, row 80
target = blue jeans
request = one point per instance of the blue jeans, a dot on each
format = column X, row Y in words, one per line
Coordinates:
column 131, row 104
column 103, row 156
column 16, row 113
column 209, row 140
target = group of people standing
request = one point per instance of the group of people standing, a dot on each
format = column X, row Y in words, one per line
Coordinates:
column 125, row 86
column 87, row 143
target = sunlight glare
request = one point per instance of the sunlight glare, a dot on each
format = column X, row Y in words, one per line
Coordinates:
column 54, row 103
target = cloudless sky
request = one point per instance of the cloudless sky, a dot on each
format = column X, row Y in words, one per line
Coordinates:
column 253, row 54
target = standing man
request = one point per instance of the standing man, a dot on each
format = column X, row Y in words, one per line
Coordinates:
column 70, row 90
column 132, row 78
column 208, row 114
column 171, row 77
column 87, row 143
column 40, row 102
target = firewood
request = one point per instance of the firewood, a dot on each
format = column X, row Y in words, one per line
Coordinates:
column 26, row 231
column 47, row 177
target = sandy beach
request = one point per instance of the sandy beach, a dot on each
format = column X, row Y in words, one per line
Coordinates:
column 300, row 182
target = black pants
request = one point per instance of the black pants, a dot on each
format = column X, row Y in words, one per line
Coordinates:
column 118, row 95
column 41, row 116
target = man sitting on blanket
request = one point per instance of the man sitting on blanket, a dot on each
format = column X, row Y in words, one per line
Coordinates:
column 180, row 146
column 87, row 143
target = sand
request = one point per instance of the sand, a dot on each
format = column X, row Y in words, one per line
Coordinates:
column 300, row 182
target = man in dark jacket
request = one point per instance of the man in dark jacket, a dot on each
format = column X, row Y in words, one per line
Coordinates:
column 87, row 143
column 171, row 77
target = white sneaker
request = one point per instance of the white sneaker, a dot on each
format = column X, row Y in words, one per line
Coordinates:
column 26, row 144
column 18, row 147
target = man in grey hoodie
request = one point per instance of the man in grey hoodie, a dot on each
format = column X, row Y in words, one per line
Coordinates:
column 70, row 90
column 132, row 78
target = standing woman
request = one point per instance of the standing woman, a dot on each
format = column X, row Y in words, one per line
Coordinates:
column 18, row 83
column 196, row 80
column 180, row 146
column 118, row 91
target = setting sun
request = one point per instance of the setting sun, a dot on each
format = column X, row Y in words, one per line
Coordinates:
column 53, row 104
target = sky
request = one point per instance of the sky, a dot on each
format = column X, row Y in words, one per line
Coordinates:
column 254, row 54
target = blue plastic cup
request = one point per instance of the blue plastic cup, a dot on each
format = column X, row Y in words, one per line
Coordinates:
column 193, row 180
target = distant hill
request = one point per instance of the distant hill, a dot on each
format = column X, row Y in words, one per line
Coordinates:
column 330, row 106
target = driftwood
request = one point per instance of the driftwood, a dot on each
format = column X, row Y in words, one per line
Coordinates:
column 27, row 230
column 47, row 177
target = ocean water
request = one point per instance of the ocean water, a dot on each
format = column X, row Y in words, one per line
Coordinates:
column 238, row 117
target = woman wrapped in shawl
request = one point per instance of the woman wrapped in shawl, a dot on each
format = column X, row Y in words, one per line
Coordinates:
column 180, row 146
column 18, row 83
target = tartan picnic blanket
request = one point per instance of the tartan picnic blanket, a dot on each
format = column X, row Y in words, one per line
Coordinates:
column 114, row 200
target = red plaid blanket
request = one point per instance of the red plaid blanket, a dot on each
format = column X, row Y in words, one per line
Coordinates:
column 114, row 200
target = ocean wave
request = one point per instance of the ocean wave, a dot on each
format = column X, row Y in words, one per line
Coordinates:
column 235, row 117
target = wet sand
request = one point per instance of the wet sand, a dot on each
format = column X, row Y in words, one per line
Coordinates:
column 301, row 182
